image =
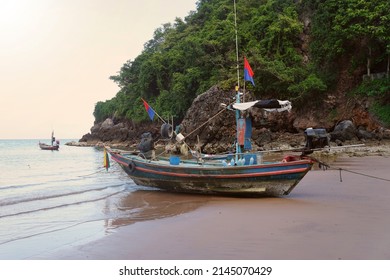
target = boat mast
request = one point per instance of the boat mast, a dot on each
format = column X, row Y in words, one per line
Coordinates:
column 238, row 148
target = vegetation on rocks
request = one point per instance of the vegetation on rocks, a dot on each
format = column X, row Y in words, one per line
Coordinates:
column 312, row 52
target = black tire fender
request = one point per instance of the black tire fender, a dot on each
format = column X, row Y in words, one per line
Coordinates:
column 131, row 167
column 166, row 130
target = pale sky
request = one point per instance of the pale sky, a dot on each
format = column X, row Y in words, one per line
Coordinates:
column 56, row 57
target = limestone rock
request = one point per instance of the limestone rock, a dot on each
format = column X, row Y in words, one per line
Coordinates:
column 107, row 124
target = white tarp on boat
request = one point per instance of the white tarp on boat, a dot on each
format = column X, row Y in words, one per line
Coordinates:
column 244, row 106
column 272, row 105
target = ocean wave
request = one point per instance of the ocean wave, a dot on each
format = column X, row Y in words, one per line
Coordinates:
column 18, row 186
column 9, row 201
column 34, row 234
column 54, row 201
column 47, row 207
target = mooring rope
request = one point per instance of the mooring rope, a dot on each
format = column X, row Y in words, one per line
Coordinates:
column 361, row 174
column 324, row 166
column 99, row 171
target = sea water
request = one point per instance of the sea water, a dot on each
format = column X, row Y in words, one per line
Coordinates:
column 50, row 199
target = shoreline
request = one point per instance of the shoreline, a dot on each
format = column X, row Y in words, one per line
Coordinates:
column 369, row 147
column 322, row 219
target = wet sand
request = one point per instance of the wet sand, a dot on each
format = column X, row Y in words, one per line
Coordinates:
column 322, row 219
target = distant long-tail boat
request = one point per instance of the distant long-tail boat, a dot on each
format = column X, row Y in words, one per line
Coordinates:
column 55, row 144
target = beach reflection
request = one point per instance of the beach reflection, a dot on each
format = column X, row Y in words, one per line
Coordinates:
column 151, row 205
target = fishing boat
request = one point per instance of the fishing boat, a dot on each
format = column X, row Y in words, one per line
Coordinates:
column 44, row 146
column 244, row 178
column 55, row 144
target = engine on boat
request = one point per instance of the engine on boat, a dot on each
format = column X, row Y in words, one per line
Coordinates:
column 146, row 146
column 146, row 143
column 315, row 139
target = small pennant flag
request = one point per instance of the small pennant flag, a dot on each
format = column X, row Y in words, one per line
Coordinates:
column 248, row 73
column 106, row 160
column 149, row 109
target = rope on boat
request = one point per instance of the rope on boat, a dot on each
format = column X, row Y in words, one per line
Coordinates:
column 82, row 176
column 199, row 127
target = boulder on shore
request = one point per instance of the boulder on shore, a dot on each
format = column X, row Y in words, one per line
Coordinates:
column 344, row 131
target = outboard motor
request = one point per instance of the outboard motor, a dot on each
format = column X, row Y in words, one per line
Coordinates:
column 146, row 145
column 315, row 139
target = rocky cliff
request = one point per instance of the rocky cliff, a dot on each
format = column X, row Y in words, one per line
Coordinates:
column 211, row 127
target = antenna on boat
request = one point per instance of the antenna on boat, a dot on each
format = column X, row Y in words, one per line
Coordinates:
column 237, row 57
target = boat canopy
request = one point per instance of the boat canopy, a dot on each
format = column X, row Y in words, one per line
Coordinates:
column 270, row 105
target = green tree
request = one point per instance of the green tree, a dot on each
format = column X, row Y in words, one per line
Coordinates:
column 366, row 22
column 347, row 26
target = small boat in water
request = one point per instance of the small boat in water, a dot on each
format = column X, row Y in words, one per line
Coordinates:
column 44, row 146
column 55, row 144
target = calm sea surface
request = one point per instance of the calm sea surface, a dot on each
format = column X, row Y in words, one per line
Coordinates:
column 49, row 199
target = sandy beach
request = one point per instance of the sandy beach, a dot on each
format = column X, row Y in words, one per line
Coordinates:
column 322, row 219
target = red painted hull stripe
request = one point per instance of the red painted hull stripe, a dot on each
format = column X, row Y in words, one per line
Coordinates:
column 258, row 174
column 243, row 175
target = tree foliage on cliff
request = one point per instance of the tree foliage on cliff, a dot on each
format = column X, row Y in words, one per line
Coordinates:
column 187, row 57
column 350, row 26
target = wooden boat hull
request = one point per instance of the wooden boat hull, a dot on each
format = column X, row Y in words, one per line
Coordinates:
column 269, row 179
